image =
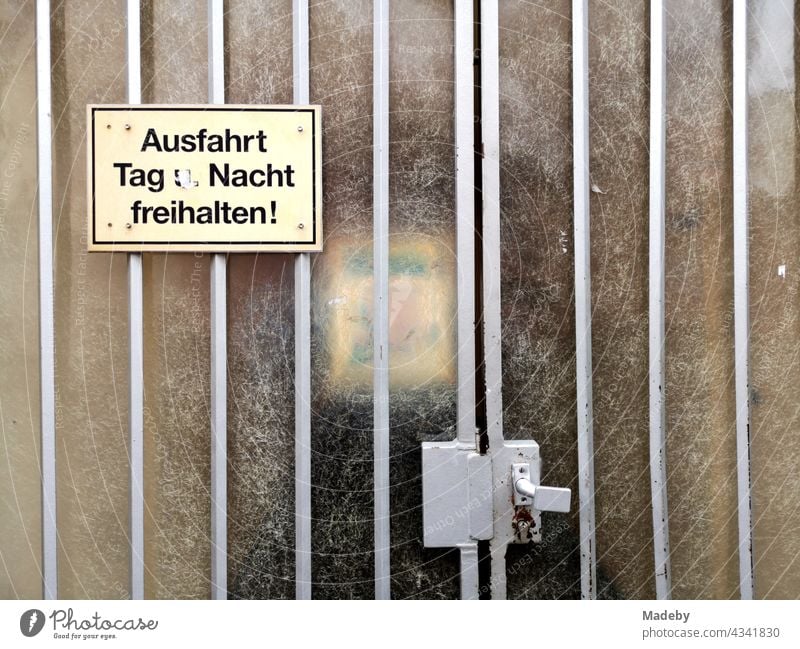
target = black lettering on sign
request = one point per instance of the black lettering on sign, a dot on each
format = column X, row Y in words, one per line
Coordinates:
column 269, row 176
column 179, row 213
column 132, row 176
column 202, row 141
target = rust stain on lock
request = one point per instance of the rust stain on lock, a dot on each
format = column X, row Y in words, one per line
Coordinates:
column 523, row 523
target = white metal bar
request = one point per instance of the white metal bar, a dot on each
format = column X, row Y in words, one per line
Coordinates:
column 741, row 298
column 466, row 429
column 216, row 52
column 465, row 220
column 302, row 345
column 490, row 121
column 136, row 423
column 135, row 338
column 658, row 459
column 490, row 173
column 583, row 296
column 46, row 321
column 469, row 571
column 380, row 109
column 219, row 509
column 219, row 343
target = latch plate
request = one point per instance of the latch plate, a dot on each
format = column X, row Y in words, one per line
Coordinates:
column 519, row 471
column 457, row 495
column 469, row 497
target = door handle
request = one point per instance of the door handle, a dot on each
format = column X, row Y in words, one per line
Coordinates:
column 543, row 499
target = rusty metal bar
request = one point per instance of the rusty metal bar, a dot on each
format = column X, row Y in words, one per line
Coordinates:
column 492, row 326
column 658, row 451
column 490, row 120
column 466, row 429
column 741, row 297
column 583, row 296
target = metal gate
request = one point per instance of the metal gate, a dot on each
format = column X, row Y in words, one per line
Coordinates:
column 480, row 425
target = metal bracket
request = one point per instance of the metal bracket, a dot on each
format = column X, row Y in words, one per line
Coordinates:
column 457, row 495
column 463, row 494
column 523, row 493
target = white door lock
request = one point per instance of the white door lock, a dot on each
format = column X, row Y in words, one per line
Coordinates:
column 466, row 495
column 542, row 499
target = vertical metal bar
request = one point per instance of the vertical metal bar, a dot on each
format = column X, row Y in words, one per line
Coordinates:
column 741, row 298
column 469, row 571
column 465, row 220
column 380, row 109
column 490, row 173
column 302, row 345
column 490, row 120
column 658, row 466
column 46, row 315
column 465, row 257
column 219, row 349
column 583, row 295
column 136, row 423
column 135, row 338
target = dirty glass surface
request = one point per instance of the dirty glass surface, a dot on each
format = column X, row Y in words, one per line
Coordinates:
column 422, row 281
column 261, row 532
column 91, row 341
column 341, row 427
column 537, row 301
column 700, row 403
column 774, row 298
column 20, row 493
column 537, row 276
column 176, row 342
column 619, row 123
column 88, row 39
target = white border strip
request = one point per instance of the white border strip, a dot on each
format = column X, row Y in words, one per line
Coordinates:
column 302, row 345
column 583, row 296
column 741, row 284
column 46, row 306
column 658, row 459
column 219, row 343
column 380, row 173
column 135, row 338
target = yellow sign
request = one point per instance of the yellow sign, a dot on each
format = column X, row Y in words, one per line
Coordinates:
column 227, row 178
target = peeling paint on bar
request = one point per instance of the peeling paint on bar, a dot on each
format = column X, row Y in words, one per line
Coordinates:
column 583, row 296
column 492, row 327
column 741, row 296
column 658, row 452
